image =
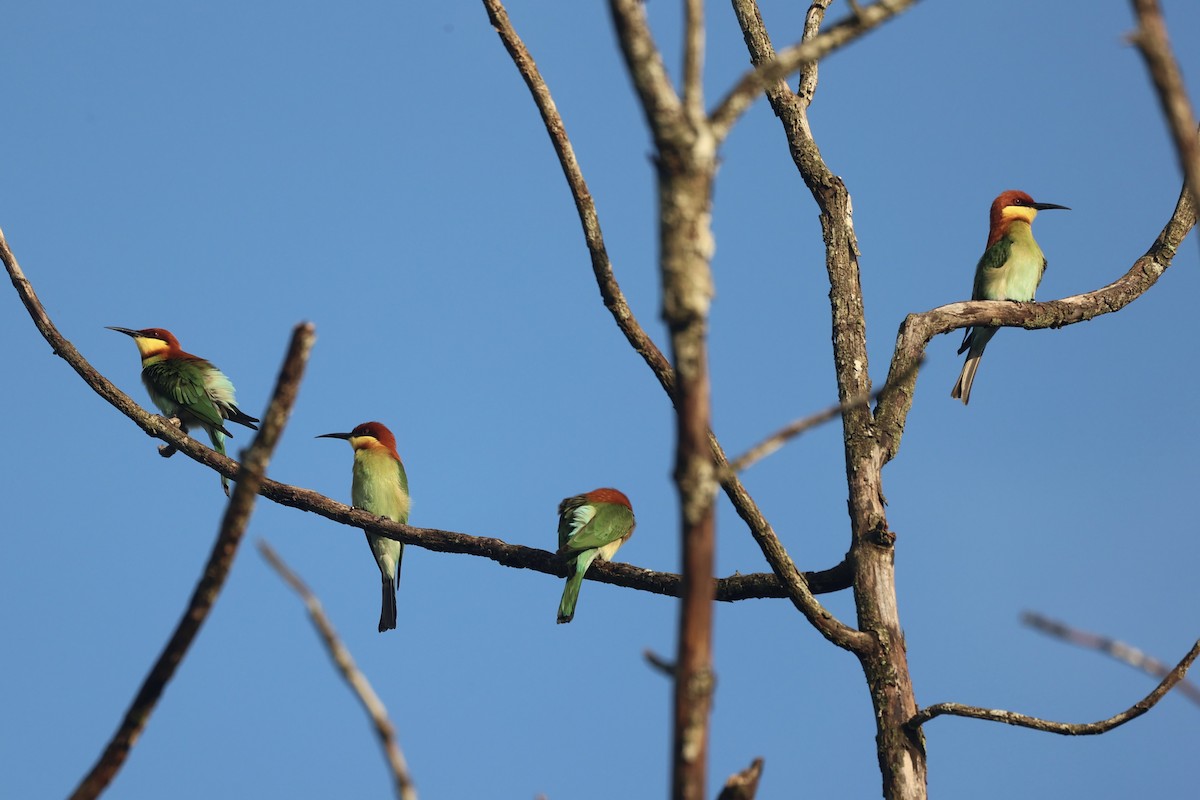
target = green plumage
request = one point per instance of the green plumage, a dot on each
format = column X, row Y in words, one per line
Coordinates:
column 196, row 393
column 188, row 388
column 380, row 486
column 1010, row 268
column 589, row 527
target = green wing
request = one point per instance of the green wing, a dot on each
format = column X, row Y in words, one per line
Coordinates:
column 610, row 522
column 993, row 258
column 185, row 387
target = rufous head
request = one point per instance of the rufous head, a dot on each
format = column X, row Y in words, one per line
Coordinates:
column 609, row 496
column 1011, row 206
column 367, row 436
column 151, row 341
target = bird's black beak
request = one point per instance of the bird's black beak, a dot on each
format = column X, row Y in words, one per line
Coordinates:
column 335, row 436
column 1045, row 206
column 126, row 331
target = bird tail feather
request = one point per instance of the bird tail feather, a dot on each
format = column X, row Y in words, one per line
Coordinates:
column 387, row 614
column 570, row 595
column 977, row 339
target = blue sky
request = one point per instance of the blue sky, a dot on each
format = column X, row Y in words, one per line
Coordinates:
column 227, row 170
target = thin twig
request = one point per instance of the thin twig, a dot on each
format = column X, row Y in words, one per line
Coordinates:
column 659, row 663
column 794, row 429
column 733, row 588
column 340, row 655
column 743, row 785
column 233, row 527
column 1118, row 650
column 1062, row 728
column 1152, row 42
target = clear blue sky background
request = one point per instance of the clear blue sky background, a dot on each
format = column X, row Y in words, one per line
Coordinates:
column 227, row 170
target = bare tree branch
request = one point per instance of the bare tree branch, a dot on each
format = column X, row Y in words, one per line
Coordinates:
column 693, row 61
column 204, row 597
column 734, row 588
column 1062, row 728
column 1118, row 650
column 340, row 655
column 610, row 290
column 881, row 648
column 1152, row 42
column 686, row 161
column 811, row 49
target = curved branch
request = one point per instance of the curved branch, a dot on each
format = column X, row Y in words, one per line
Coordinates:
column 1062, row 728
column 358, row 683
column 233, row 527
column 918, row 329
column 1152, row 42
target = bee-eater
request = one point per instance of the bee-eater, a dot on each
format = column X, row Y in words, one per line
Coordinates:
column 590, row 526
column 1010, row 269
column 380, row 486
column 187, row 387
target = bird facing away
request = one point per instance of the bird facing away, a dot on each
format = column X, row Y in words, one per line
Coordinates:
column 590, row 526
column 187, row 387
column 1010, row 269
column 380, row 486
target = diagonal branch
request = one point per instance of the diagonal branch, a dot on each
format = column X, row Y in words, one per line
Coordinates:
column 1062, row 728
column 1152, row 42
column 610, row 290
column 794, row 429
column 358, row 683
column 737, row 587
column 1118, row 650
column 918, row 329
column 233, row 527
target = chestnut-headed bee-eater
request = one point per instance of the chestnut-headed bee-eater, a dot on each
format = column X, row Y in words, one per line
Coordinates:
column 1010, row 269
column 590, row 526
column 187, row 387
column 380, row 486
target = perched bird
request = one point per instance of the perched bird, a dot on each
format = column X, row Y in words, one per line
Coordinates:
column 590, row 526
column 187, row 388
column 1010, row 269
column 380, row 486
